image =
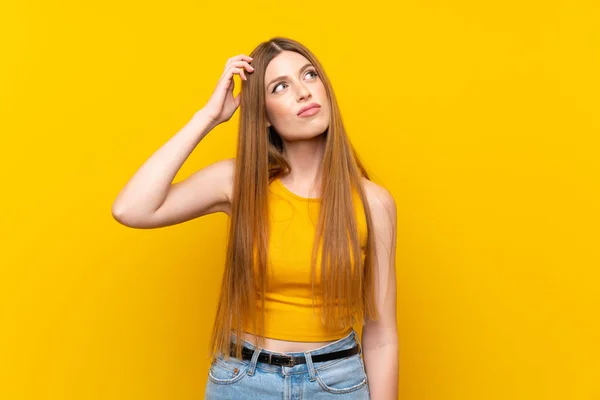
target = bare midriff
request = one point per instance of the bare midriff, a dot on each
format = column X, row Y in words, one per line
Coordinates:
column 285, row 346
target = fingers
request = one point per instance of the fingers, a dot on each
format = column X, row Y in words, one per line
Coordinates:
column 240, row 57
column 246, row 65
column 238, row 71
column 238, row 62
column 235, row 69
column 236, row 65
column 241, row 61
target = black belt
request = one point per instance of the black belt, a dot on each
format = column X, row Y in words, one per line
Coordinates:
column 290, row 361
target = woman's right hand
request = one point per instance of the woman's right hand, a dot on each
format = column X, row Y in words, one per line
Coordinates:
column 221, row 105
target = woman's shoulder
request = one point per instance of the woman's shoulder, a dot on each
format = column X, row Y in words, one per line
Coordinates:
column 378, row 196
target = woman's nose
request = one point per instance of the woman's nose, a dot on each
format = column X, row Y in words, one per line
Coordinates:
column 303, row 92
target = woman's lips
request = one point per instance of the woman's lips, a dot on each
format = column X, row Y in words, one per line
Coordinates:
column 309, row 112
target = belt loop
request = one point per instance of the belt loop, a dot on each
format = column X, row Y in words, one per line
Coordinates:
column 357, row 341
column 310, row 366
column 254, row 360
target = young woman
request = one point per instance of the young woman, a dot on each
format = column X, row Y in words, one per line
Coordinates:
column 284, row 325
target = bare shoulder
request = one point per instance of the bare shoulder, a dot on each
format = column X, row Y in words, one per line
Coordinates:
column 380, row 199
column 382, row 207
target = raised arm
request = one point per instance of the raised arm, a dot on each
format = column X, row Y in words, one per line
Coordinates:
column 151, row 200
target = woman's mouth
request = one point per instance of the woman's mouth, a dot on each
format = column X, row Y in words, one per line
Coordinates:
column 310, row 111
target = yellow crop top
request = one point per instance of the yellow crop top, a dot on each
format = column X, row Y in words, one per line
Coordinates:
column 289, row 313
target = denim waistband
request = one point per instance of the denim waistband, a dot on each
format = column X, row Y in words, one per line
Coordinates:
column 347, row 342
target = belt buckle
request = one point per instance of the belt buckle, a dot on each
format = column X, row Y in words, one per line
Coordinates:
column 290, row 363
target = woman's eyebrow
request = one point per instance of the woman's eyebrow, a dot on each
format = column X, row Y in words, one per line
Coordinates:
column 285, row 76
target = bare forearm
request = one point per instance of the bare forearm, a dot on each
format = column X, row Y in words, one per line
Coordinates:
column 381, row 365
column 149, row 186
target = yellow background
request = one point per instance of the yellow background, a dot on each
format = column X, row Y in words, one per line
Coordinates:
column 480, row 117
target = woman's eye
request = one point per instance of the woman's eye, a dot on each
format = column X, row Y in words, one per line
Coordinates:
column 276, row 86
column 311, row 71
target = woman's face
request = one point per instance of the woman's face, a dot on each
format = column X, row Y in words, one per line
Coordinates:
column 291, row 83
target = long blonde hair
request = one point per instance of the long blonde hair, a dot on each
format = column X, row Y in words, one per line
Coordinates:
column 259, row 160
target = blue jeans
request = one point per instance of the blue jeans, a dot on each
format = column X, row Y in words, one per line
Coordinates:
column 342, row 378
